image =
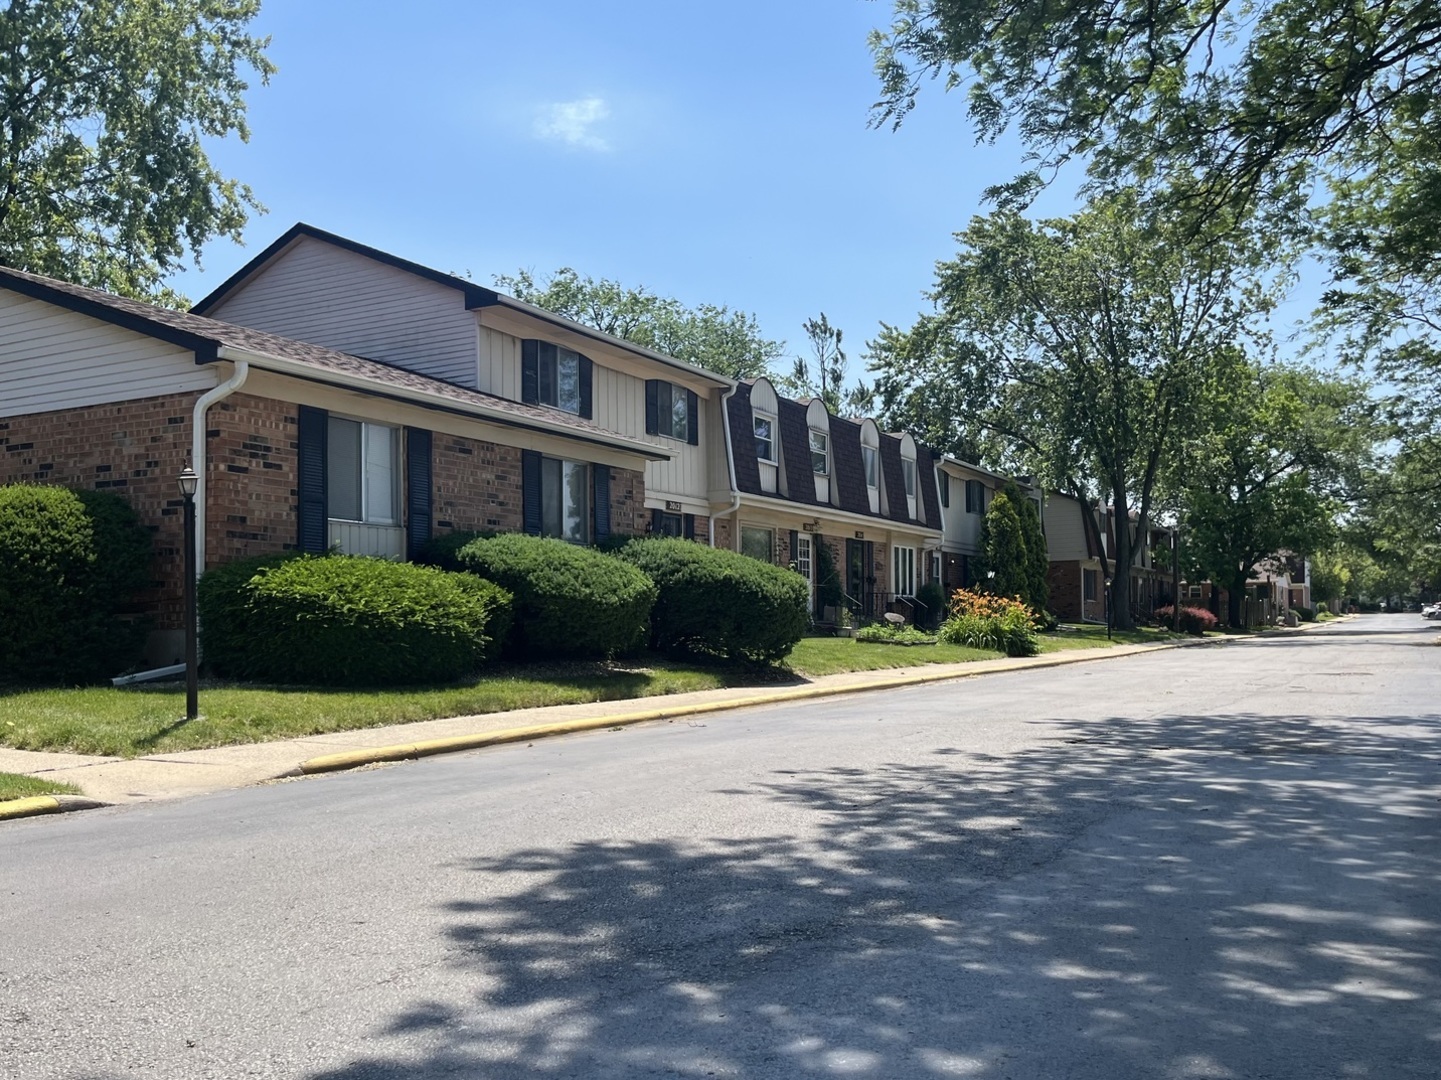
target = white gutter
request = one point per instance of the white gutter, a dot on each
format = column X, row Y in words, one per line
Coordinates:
column 422, row 397
column 197, row 449
column 730, row 461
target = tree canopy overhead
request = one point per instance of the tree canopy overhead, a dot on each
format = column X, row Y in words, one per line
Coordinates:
column 1237, row 98
column 715, row 338
column 1074, row 348
column 105, row 106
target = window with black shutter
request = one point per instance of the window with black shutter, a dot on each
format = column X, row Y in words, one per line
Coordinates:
column 553, row 375
column 671, row 411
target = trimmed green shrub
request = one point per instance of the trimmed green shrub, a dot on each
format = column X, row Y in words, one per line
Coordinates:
column 345, row 620
column 569, row 600
column 1322, row 608
column 934, row 598
column 1303, row 613
column 224, row 604
column 720, row 604
column 442, row 550
column 70, row 563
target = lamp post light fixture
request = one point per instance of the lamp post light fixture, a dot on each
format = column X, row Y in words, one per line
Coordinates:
column 189, row 483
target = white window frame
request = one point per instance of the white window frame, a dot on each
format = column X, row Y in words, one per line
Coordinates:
column 550, row 365
column 770, row 541
column 871, row 466
column 903, row 571
column 820, row 455
column 770, row 457
column 908, row 470
column 374, row 478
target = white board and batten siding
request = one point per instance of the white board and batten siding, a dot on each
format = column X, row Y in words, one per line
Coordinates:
column 326, row 295
column 52, row 358
column 1065, row 528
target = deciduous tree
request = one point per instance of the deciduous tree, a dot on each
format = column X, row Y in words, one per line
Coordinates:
column 106, row 107
column 715, row 338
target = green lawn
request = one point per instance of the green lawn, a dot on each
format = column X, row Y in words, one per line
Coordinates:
column 15, row 786
column 832, row 655
column 1089, row 636
column 135, row 721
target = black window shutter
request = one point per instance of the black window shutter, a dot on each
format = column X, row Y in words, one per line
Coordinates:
column 600, row 500
column 657, row 524
column 530, row 372
column 692, row 418
column 417, row 491
column 530, row 492
column 652, row 406
column 688, row 527
column 545, row 353
column 794, row 537
column 945, row 488
column 312, row 529
column 587, row 395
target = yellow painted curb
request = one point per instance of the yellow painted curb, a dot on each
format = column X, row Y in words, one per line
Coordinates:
column 354, row 759
column 29, row 807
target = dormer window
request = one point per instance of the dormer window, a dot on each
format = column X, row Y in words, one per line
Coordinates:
column 555, row 376
column 870, row 457
column 765, row 430
column 908, row 468
column 820, row 453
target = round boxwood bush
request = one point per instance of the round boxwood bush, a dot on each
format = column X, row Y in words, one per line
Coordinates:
column 224, row 602
column 342, row 620
column 70, row 563
column 720, row 604
column 569, row 601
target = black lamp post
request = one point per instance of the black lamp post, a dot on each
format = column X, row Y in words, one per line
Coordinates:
column 1108, row 609
column 189, row 482
column 1176, row 578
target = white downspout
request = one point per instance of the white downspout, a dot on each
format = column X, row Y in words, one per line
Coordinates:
column 730, row 461
column 198, row 454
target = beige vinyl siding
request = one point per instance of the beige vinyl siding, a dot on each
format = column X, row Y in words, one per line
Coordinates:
column 499, row 365
column 1065, row 530
column 317, row 292
column 51, row 358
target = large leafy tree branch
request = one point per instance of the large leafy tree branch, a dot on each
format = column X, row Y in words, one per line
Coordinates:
column 105, row 107
column 710, row 336
column 1074, row 348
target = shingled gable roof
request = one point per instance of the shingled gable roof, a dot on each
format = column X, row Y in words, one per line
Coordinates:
column 206, row 337
column 796, row 452
column 850, row 471
column 475, row 296
column 926, row 478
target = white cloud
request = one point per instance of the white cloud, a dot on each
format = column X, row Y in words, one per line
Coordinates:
column 573, row 123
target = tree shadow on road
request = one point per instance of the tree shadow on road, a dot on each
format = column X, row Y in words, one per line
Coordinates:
column 1184, row 896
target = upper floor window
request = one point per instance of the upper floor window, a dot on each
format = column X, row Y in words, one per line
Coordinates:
column 820, row 453
column 671, row 411
column 556, row 376
column 870, row 458
column 362, row 474
column 908, row 468
column 945, row 486
column 975, row 497
column 765, row 429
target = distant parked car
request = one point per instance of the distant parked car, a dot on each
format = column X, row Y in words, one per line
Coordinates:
column 1431, row 611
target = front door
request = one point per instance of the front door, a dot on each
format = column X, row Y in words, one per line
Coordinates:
column 856, row 571
column 805, row 564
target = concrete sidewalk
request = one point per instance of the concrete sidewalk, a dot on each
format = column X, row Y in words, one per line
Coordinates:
column 194, row 772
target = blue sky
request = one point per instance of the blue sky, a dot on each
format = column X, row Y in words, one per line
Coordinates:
column 713, row 152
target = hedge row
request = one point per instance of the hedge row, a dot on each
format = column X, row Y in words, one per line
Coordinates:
column 71, row 563
column 338, row 620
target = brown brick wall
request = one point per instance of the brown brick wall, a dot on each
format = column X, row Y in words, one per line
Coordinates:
column 477, row 485
column 628, row 515
column 724, row 537
column 253, row 459
column 134, row 448
column 1064, row 581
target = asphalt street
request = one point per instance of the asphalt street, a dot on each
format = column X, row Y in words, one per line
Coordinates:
column 1209, row 862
